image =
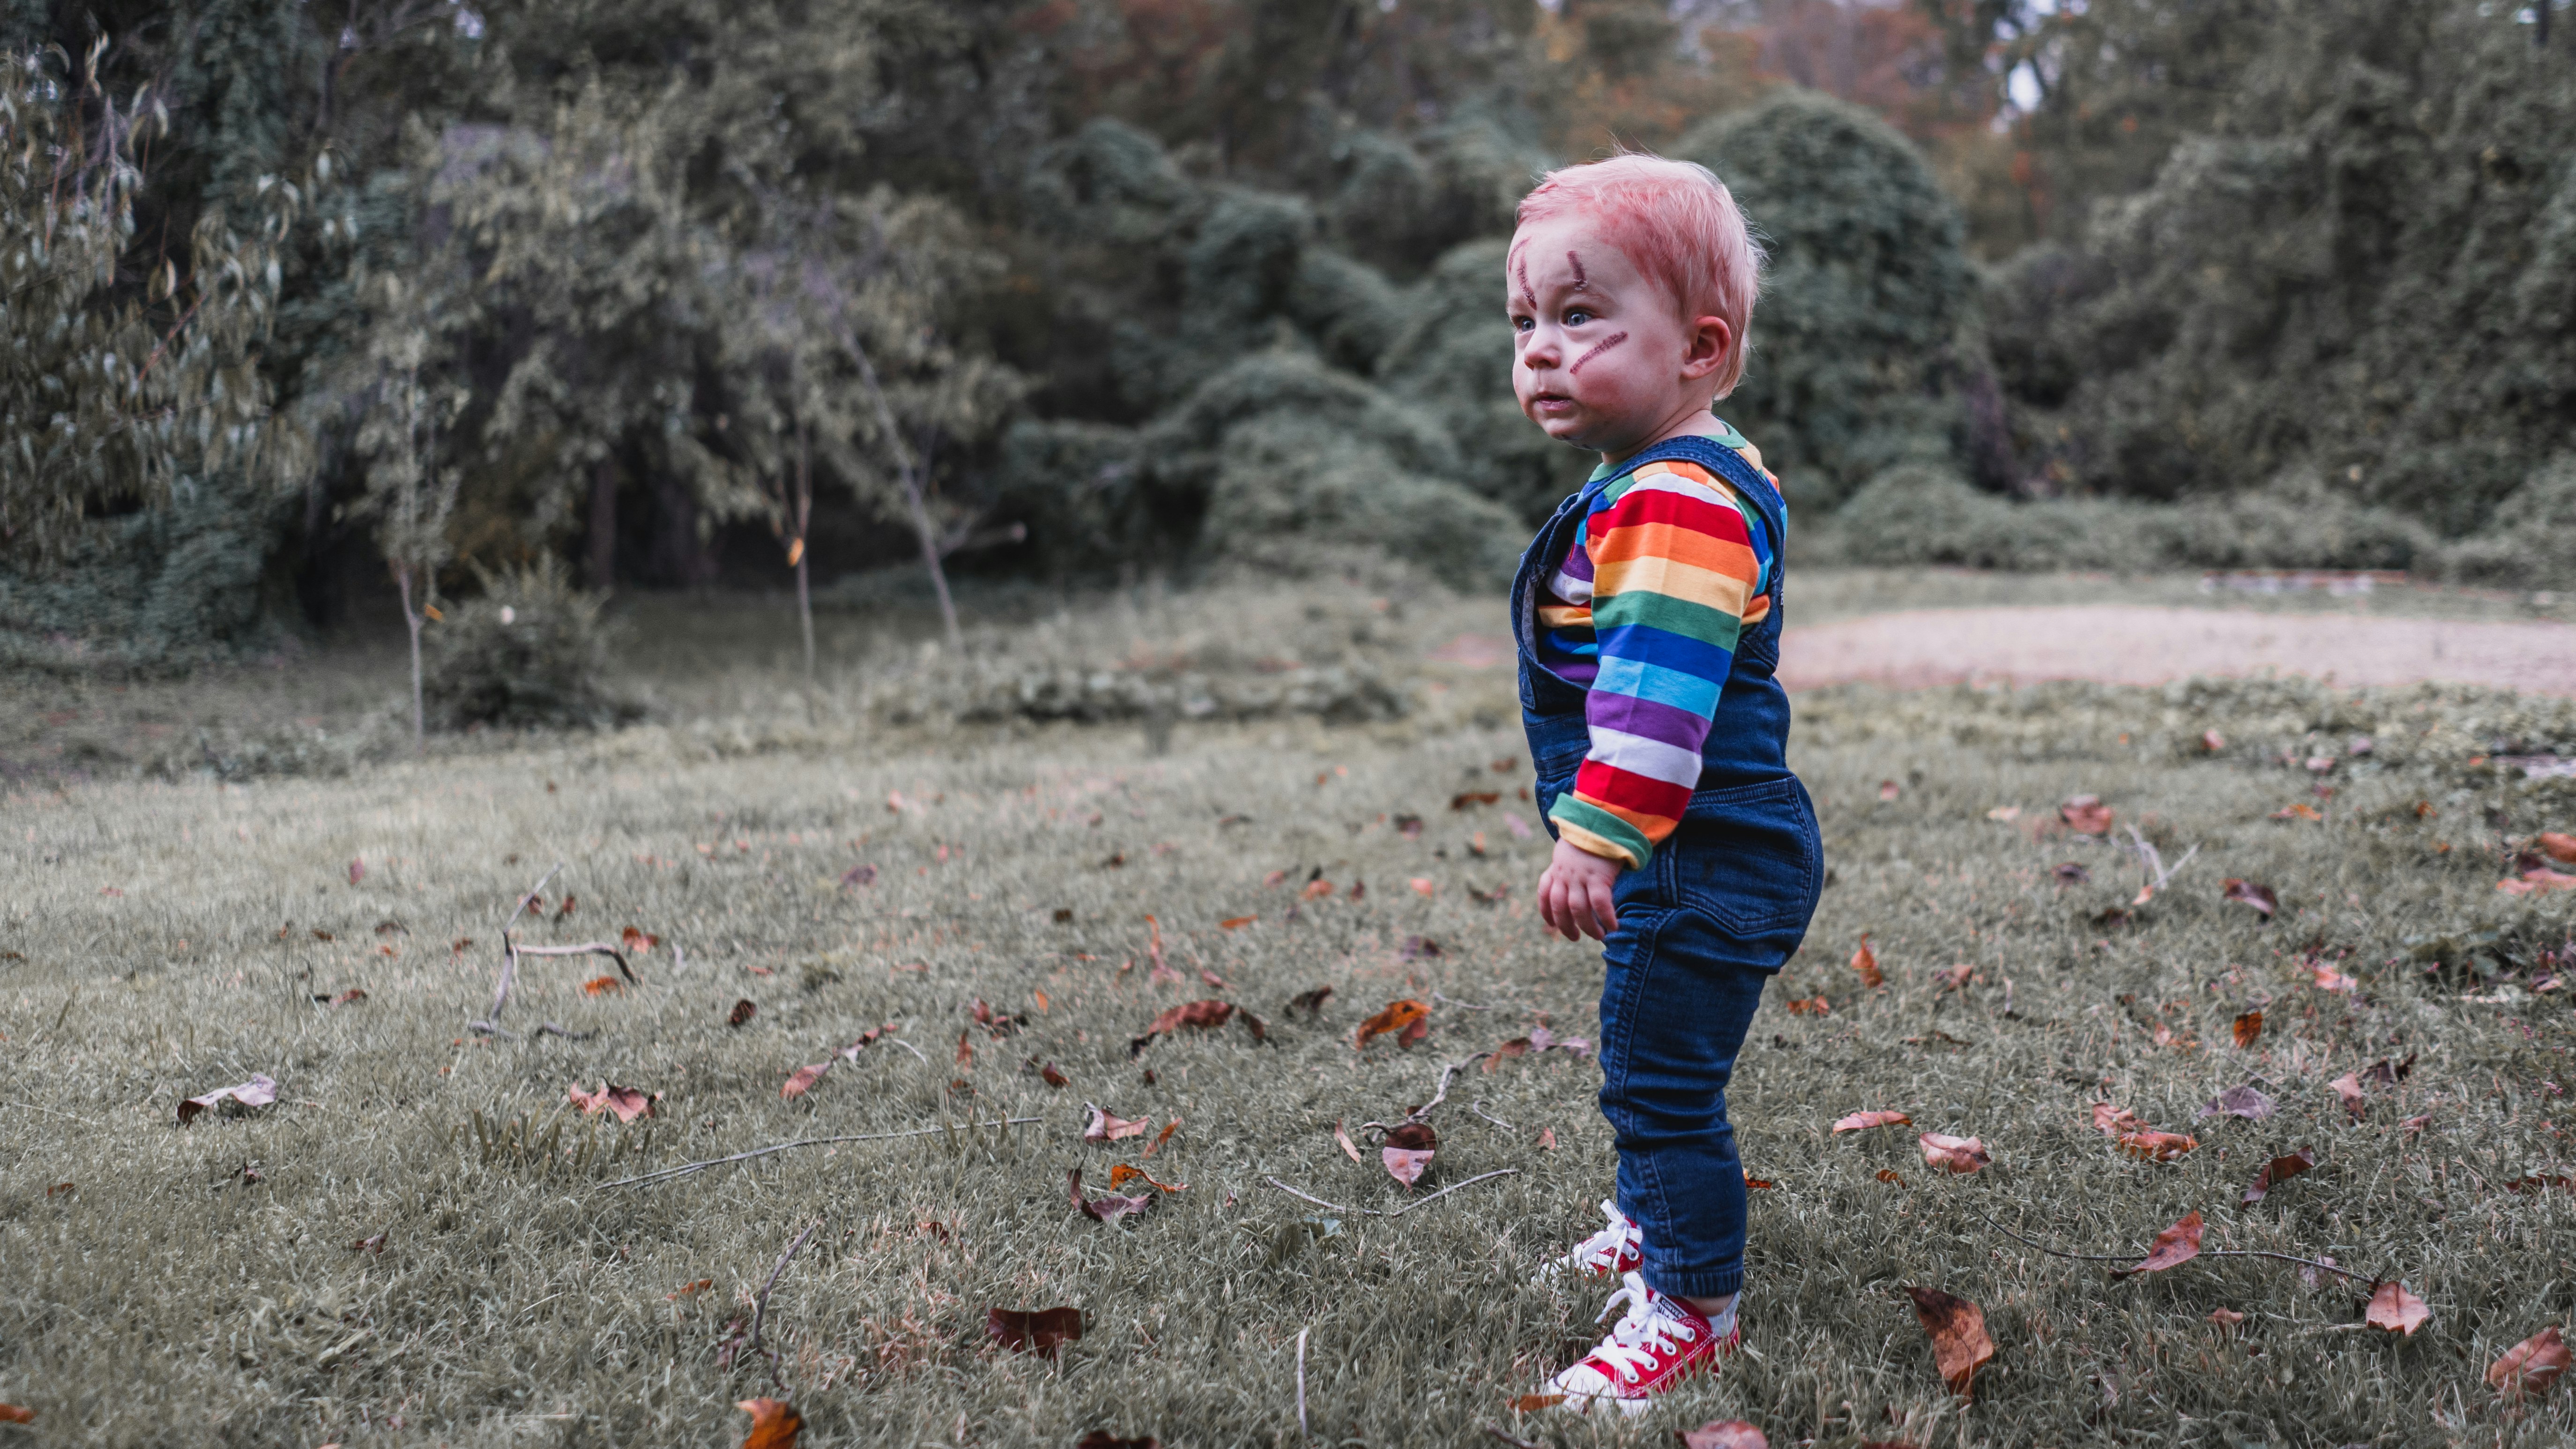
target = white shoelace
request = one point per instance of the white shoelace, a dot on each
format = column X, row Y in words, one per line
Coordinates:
column 1646, row 1332
column 1602, row 1251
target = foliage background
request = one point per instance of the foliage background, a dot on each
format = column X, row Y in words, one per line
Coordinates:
column 1174, row 282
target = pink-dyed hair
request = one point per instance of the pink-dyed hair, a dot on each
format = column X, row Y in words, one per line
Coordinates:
column 1675, row 222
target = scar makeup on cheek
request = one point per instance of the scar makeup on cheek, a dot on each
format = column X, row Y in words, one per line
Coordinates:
column 1602, row 346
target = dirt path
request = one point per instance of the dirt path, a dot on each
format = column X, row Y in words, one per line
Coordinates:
column 2116, row 644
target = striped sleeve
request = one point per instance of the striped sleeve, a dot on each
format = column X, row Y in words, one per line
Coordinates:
column 1675, row 569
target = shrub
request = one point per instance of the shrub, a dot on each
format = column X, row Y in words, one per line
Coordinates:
column 2532, row 541
column 531, row 650
column 1452, row 360
column 1288, row 482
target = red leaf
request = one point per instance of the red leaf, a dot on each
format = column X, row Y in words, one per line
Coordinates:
column 1957, row 1328
column 602, row 985
column 1863, row 1121
column 2249, row 1029
column 16, row 1414
column 626, row 1102
column 804, row 1080
column 774, row 1425
column 2329, row 979
column 1106, row 1209
column 741, row 1013
column 1051, row 1076
column 2557, row 847
column 2173, row 1247
column 2277, row 1171
column 1400, row 1017
column 1865, row 961
column 2531, row 1365
column 1960, row 1155
column 636, row 941
column 1236, row 923
column 1033, row 1332
column 1164, row 1136
column 2395, row 1309
column 1205, row 1015
column 1408, row 1151
column 2156, row 1146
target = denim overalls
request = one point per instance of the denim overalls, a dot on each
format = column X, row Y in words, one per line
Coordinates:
column 1718, row 909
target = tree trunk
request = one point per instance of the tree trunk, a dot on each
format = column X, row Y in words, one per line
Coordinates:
column 603, row 525
column 929, row 535
column 804, row 520
column 411, row 620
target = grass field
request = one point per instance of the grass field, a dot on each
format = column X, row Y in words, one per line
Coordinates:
column 165, row 937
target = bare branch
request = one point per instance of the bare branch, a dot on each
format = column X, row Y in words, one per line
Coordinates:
column 685, row 1168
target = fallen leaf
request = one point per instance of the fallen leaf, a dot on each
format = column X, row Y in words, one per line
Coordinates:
column 2212, row 741
column 2247, row 893
column 1342, row 1139
column 2540, row 880
column 1423, row 886
column 566, row 908
column 2414, row 1125
column 858, row 875
column 1122, row 1174
column 2241, row 1101
column 1532, row 1403
column 2226, row 1317
column 1890, row 1174
column 804, row 1079
column 1465, row 798
column 2113, row 1121
column 966, row 1047
column 1863, row 1121
column 2086, row 815
column 742, row 1011
column 1051, row 1076
column 1547, row 1138
column 2071, row 873
column 637, row 941
column 1408, row 1151
column 1318, row 889
column 2384, row 1073
column 20, row 1414
column 688, row 1290
column 1103, row 1439
column 1518, row 1046
column 1040, row 1331
column 1803, row 1006
column 2556, row 846
column 1409, row 826
column 2157, row 1146
column 1359, row 890
column 1104, row 1128
column 1162, row 1137
column 1205, row 1015
column 1957, row 1328
column 1724, row 1434
column 61, row 1188
column 1417, row 948
column 1311, row 1002
column 1953, row 1154
column 2395, row 1309
column 626, row 1102
column 1108, row 1208
column 2300, row 811
column 1955, row 978
column 2348, row 1087
column 1236, row 923
column 375, row 1245
column 602, row 985
column 2329, row 979
column 1760, row 1184
column 357, row 871
column 2173, row 1247
column 1400, row 1017
column 2249, row 1029
column 2277, row 1171
column 1865, row 961
column 1888, row 789
column 350, row 997
column 2541, row 1182
column 2531, row 1365
column 259, row 1091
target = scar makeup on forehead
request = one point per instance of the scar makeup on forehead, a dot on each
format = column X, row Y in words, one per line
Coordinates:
column 1602, row 346
column 1576, row 262
column 1520, row 269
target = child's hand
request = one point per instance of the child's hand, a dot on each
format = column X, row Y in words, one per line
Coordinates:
column 1574, row 893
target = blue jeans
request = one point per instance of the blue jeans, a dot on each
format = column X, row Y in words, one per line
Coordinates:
column 1713, row 916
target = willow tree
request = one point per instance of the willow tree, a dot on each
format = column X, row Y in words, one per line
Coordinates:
column 125, row 378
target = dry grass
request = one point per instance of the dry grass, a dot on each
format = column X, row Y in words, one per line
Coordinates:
column 517, row 1299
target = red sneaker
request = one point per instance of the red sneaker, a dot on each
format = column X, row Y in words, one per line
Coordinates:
column 1614, row 1252
column 1658, row 1343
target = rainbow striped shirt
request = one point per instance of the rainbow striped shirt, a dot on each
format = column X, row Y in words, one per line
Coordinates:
column 1644, row 613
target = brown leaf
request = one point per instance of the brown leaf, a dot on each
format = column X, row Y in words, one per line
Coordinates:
column 1518, row 1046
column 2348, row 1087
column 2556, row 846
column 626, row 1102
column 1547, row 1138
column 375, row 1245
column 1418, row 948
column 1400, row 1017
column 2156, row 1146
column 2113, row 1121
column 1956, row 978
column 637, row 941
column 20, row 1414
column 1960, row 1155
column 1343, row 1140
column 1957, row 1328
column 2239, row 1101
column 1104, row 1128
column 2395, row 1309
column 2070, row 872
column 1164, row 1136
column 1318, row 889
column 1108, row 1208
column 1408, row 1151
column 1760, row 1184
column 602, row 985
column 1236, row 923
column 1889, row 1174
column 2226, row 1317
column 1311, row 1002
column 259, row 1091
column 2246, row 892
column 2542, row 1181
column 2086, row 815
column 966, row 1047
column 2384, row 1073
column 2329, row 979
column 1865, row 961
column 1051, row 1076
column 2173, row 1247
column 1122, row 1174
column 1465, row 798
column 2275, row 1172
column 690, row 1290
column 1863, row 1121
column 1103, row 1439
column 2538, row 881
column 1205, row 1015
column 1724, row 1434
column 742, row 1012
column 1532, row 1403
column 566, row 908
column 1041, row 1331
column 804, row 1079
column 858, row 875
column 2531, row 1365
column 61, row 1189
column 2248, row 1029
column 350, row 997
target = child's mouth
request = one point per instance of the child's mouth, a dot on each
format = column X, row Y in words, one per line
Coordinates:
column 1552, row 403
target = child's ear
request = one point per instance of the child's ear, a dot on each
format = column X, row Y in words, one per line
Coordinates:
column 1706, row 346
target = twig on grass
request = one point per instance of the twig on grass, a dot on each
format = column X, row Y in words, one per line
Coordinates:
column 587, row 948
column 685, row 1168
column 1516, row 1443
column 1461, row 1005
column 2155, row 861
column 1301, row 1383
column 1477, row 1106
column 1423, row 1112
column 760, row 1306
column 916, row 1051
column 2322, row 1267
column 1399, row 1212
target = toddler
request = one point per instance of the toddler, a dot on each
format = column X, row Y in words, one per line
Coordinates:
column 1647, row 616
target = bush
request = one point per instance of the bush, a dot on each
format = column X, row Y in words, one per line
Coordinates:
column 2531, row 543
column 1867, row 293
column 531, row 650
column 1289, row 482
column 1452, row 360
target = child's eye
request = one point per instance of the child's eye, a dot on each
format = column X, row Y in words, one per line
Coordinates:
column 1577, row 317
column 1523, row 324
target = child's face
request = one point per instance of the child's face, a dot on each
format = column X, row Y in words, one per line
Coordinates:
column 1601, row 359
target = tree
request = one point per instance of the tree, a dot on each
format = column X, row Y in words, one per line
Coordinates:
column 411, row 489
column 123, row 378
